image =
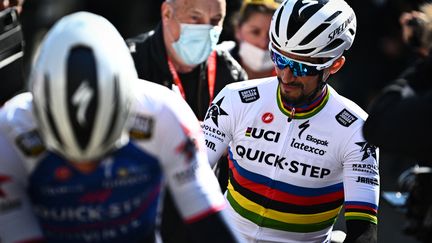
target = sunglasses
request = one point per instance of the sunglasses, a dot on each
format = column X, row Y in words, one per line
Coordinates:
column 299, row 69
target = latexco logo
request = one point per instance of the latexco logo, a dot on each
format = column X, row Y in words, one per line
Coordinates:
column 307, row 148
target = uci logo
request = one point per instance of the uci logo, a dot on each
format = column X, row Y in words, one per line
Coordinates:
column 261, row 133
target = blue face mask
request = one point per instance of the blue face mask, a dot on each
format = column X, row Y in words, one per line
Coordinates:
column 196, row 42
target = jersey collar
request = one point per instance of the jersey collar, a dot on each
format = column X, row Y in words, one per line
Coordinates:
column 304, row 111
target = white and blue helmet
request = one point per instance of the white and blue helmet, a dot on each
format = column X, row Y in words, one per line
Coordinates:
column 80, row 83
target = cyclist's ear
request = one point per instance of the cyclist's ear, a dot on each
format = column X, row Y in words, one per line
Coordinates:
column 337, row 64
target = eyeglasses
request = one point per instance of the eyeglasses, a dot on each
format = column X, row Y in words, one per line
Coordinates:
column 298, row 68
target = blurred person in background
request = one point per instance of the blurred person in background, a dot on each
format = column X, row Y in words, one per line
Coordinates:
column 17, row 4
column 233, row 6
column 251, row 27
column 403, row 109
column 181, row 54
column 12, row 80
column 399, row 123
column 130, row 19
column 88, row 152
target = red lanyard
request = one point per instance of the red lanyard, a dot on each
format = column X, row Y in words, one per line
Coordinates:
column 211, row 76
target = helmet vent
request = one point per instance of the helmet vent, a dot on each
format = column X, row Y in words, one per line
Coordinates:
column 312, row 35
column 301, row 13
column 51, row 123
column 110, row 136
column 305, row 51
column 333, row 16
column 82, row 93
column 277, row 25
column 334, row 44
column 274, row 41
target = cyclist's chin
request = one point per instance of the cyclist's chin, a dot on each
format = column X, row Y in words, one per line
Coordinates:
column 291, row 92
column 293, row 97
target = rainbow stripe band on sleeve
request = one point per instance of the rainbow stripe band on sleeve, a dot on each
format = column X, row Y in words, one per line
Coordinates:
column 361, row 211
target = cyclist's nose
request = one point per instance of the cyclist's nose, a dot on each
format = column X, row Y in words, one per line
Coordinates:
column 286, row 75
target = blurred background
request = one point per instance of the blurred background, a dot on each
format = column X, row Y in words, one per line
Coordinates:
column 376, row 58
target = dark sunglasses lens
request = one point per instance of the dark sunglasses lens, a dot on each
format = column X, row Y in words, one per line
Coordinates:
column 298, row 69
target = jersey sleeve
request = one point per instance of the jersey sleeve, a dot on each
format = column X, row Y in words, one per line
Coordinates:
column 184, row 160
column 18, row 223
column 217, row 126
column 361, row 179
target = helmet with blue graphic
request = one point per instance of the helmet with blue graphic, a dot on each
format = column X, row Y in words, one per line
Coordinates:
column 313, row 28
column 80, row 83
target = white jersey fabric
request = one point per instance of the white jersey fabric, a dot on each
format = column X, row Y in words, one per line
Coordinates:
column 291, row 170
column 42, row 195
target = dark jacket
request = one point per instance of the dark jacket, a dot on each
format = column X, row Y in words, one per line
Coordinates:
column 400, row 117
column 150, row 57
column 149, row 53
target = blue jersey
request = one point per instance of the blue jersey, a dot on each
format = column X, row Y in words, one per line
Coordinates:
column 43, row 195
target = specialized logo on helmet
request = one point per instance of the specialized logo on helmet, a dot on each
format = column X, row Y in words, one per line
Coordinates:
column 81, row 98
column 341, row 28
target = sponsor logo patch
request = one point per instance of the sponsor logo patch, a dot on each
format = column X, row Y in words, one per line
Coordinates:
column 62, row 173
column 368, row 168
column 213, row 132
column 367, row 149
column 8, row 205
column 345, row 118
column 3, row 179
column 267, row 117
column 249, row 95
column 270, row 136
column 5, row 203
column 215, row 111
column 303, row 127
column 307, row 148
column 210, row 145
column 278, row 161
column 142, row 128
column 367, row 180
column 30, row 143
column 188, row 148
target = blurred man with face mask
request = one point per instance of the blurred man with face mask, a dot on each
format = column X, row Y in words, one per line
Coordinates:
column 181, row 54
column 182, row 50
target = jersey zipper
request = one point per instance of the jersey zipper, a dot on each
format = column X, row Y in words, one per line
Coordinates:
column 286, row 141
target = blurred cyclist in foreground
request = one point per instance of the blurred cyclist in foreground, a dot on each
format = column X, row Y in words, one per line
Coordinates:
column 87, row 153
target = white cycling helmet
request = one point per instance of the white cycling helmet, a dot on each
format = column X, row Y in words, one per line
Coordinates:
column 313, row 28
column 80, row 83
